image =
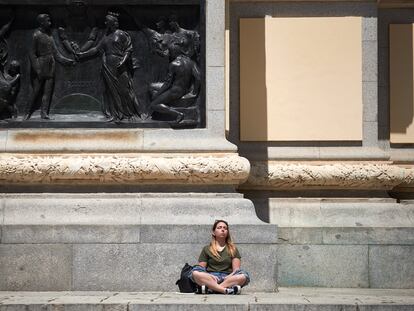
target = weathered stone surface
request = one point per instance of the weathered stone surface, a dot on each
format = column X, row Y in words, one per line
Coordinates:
column 295, row 299
column 287, row 212
column 130, row 267
column 77, row 234
column 215, row 92
column 289, row 235
column 279, row 175
column 251, row 234
column 28, row 267
column 363, row 235
column 215, row 33
column 391, row 266
column 182, row 210
column 122, row 169
column 74, row 140
column 323, row 265
column 64, row 209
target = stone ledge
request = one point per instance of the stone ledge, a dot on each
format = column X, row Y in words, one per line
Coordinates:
column 328, row 175
column 288, row 299
column 132, row 234
column 115, row 169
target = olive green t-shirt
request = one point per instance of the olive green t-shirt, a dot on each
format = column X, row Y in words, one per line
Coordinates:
column 218, row 265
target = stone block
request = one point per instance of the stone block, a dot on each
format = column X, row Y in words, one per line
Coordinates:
column 369, row 28
column 370, row 101
column 91, row 209
column 182, row 211
column 130, row 267
column 323, row 265
column 290, row 153
column 3, row 139
column 289, row 235
column 215, row 92
column 78, row 234
column 189, row 140
column 260, row 260
column 215, row 16
column 76, row 140
column 365, row 235
column 370, row 134
column 367, row 214
column 369, row 61
column 187, row 307
column 353, row 153
column 183, row 234
column 301, row 307
column 391, row 266
column 35, row 267
column 294, row 214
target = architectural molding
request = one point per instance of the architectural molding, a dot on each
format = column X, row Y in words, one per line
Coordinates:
column 115, row 169
column 275, row 175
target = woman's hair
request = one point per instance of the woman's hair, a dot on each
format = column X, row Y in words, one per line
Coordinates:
column 229, row 242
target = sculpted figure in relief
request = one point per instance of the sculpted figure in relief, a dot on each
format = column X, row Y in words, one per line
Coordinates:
column 120, row 101
column 43, row 55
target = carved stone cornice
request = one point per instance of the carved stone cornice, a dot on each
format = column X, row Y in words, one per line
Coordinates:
column 115, row 169
column 275, row 175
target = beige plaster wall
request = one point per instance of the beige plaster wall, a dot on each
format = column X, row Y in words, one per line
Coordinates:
column 301, row 79
column 401, row 83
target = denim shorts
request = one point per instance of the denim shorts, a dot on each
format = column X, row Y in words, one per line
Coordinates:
column 220, row 275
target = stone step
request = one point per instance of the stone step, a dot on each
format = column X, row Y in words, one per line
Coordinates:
column 286, row 299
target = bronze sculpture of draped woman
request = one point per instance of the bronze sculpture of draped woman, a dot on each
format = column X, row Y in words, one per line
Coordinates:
column 120, row 101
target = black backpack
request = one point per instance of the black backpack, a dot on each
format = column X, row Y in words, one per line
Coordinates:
column 184, row 283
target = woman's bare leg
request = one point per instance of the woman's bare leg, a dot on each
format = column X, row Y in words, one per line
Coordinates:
column 203, row 278
column 238, row 279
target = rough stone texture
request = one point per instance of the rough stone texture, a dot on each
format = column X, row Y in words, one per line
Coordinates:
column 215, row 91
column 79, row 234
column 182, row 211
column 250, row 234
column 285, row 299
column 300, row 235
column 122, row 169
column 3, row 140
column 79, row 140
column 131, row 267
column 370, row 61
column 215, row 17
column 370, row 175
column 126, row 209
column 343, row 213
column 370, row 133
column 370, row 99
column 391, row 266
column 323, row 265
column 369, row 28
column 61, row 209
column 35, row 267
column 396, row 236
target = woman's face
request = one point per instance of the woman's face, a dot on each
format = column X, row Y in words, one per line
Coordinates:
column 221, row 230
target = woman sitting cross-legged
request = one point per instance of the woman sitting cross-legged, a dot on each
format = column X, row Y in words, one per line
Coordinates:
column 218, row 269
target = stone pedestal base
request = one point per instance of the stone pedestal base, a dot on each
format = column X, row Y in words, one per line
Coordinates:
column 123, row 242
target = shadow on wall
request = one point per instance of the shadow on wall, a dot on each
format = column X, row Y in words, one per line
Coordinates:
column 401, row 77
